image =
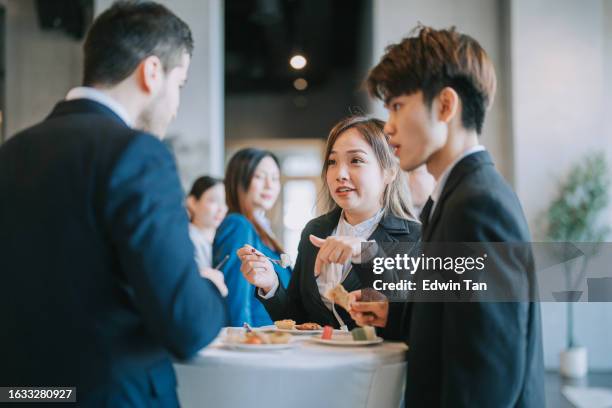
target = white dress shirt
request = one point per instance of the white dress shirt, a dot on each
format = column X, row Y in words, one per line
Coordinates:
column 86, row 92
column 435, row 195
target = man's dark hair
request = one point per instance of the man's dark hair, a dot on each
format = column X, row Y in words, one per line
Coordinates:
column 128, row 32
column 431, row 61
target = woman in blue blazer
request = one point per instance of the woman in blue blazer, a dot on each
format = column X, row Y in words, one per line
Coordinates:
column 252, row 183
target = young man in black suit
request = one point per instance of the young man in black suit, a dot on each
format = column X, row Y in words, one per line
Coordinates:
column 437, row 87
column 99, row 283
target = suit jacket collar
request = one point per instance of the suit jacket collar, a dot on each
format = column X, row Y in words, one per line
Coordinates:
column 466, row 166
column 325, row 224
column 388, row 225
column 392, row 224
column 84, row 106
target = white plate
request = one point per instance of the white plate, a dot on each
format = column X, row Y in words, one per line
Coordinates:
column 347, row 343
column 292, row 331
column 258, row 347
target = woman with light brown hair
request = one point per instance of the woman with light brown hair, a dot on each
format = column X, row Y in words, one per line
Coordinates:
column 367, row 200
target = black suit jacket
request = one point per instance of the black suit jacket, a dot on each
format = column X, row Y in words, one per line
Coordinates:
column 473, row 354
column 301, row 300
column 99, row 284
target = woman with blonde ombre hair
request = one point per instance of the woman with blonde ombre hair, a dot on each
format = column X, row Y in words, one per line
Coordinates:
column 367, row 200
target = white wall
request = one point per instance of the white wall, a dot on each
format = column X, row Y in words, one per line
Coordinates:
column 40, row 66
column 43, row 65
column 197, row 133
column 482, row 19
column 199, row 127
column 607, row 35
column 557, row 70
column 558, row 56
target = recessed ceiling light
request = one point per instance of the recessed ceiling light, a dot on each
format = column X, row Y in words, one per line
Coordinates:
column 298, row 61
column 300, row 84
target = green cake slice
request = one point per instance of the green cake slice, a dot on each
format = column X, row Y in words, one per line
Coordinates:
column 364, row 333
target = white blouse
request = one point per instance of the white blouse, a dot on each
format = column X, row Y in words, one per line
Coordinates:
column 203, row 248
column 333, row 274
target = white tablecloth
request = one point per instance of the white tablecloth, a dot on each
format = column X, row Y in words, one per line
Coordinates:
column 308, row 375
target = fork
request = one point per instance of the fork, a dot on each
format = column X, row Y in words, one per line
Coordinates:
column 343, row 326
column 279, row 262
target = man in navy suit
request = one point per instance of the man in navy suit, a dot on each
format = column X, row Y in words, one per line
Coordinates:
column 99, row 287
column 437, row 86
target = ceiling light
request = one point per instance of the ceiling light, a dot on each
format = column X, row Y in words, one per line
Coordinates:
column 297, row 61
column 300, row 84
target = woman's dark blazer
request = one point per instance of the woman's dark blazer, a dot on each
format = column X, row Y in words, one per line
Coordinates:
column 301, row 300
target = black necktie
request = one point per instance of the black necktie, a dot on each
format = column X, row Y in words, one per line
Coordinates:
column 425, row 214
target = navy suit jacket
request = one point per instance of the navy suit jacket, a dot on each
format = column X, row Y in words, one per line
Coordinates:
column 476, row 354
column 99, row 284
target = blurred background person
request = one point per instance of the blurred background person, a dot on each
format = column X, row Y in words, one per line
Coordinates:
column 206, row 206
column 252, row 182
column 421, row 184
column 367, row 199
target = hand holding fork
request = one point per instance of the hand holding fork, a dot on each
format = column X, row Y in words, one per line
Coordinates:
column 257, row 268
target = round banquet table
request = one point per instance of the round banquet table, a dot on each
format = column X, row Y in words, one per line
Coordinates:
column 307, row 375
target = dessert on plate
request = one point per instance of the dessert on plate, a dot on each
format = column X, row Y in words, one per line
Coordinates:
column 340, row 296
column 286, row 324
column 308, row 326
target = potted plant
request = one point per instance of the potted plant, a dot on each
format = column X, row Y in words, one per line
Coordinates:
column 575, row 216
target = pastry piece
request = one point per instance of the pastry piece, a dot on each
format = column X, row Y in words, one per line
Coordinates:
column 256, row 338
column 342, row 336
column 340, row 296
column 364, row 333
column 285, row 260
column 234, row 335
column 286, row 324
column 308, row 326
column 252, row 340
column 279, row 338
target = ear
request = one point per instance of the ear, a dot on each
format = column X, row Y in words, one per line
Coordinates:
column 447, row 104
column 190, row 204
column 150, row 74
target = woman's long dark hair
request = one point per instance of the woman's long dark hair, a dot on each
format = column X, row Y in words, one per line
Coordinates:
column 238, row 176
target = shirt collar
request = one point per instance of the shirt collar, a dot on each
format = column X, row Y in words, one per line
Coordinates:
column 363, row 229
column 86, row 92
column 435, row 195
